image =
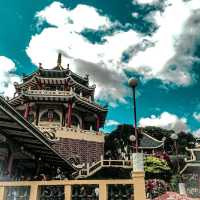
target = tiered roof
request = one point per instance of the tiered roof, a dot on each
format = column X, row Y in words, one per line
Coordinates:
column 148, row 142
column 57, row 76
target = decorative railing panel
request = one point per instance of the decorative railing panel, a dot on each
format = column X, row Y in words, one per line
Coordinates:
column 122, row 192
column 17, row 193
column 52, row 192
column 68, row 190
column 85, row 192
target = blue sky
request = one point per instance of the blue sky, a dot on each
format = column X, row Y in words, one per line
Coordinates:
column 156, row 41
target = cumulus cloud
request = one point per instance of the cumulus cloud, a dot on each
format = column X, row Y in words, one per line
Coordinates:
column 168, row 54
column 7, row 77
column 167, row 121
column 77, row 19
column 196, row 116
column 101, row 61
column 175, row 41
column 111, row 123
column 145, row 1
column 197, row 133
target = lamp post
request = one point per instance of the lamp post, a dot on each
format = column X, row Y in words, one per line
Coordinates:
column 133, row 84
column 138, row 158
column 132, row 139
column 174, row 137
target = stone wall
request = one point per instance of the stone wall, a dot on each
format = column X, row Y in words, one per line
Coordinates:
column 88, row 151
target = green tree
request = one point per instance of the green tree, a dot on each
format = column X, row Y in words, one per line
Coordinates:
column 156, row 168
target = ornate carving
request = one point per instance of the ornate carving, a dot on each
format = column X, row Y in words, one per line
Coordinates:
column 50, row 134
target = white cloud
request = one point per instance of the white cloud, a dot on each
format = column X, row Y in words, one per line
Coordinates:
column 151, row 56
column 7, row 78
column 196, row 116
column 165, row 120
column 173, row 38
column 101, row 61
column 196, row 133
column 145, row 1
column 77, row 19
column 111, row 123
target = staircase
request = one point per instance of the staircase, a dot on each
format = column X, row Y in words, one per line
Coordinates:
column 90, row 170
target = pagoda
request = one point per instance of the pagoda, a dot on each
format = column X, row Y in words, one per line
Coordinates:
column 61, row 104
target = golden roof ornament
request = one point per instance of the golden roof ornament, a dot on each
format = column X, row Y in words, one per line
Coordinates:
column 59, row 61
column 40, row 65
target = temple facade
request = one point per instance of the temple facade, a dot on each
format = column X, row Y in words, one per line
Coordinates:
column 61, row 104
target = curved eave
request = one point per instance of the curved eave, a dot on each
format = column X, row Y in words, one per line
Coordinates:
column 30, row 82
column 79, row 77
column 159, row 143
column 64, row 80
column 64, row 72
column 16, row 100
column 82, row 86
column 93, row 104
column 26, row 78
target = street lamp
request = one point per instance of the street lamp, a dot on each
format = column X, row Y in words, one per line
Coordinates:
column 133, row 84
column 137, row 158
column 132, row 139
column 174, row 137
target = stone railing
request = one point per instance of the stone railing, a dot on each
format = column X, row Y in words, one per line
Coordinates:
column 57, row 127
column 61, row 93
column 90, row 170
column 128, row 189
column 49, row 124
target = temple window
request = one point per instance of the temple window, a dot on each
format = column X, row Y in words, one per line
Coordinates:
column 50, row 116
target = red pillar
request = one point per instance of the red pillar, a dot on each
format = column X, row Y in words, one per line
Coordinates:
column 37, row 114
column 26, row 112
column 69, row 114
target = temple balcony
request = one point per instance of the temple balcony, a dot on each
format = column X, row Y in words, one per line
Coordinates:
column 71, row 133
column 50, row 125
column 49, row 92
column 57, row 93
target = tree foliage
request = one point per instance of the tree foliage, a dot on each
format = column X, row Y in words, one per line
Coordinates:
column 155, row 165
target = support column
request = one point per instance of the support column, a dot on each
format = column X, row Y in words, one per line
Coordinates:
column 103, row 191
column 34, row 193
column 68, row 192
column 37, row 115
column 2, row 193
column 63, row 117
column 69, row 114
column 139, row 176
column 26, row 112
